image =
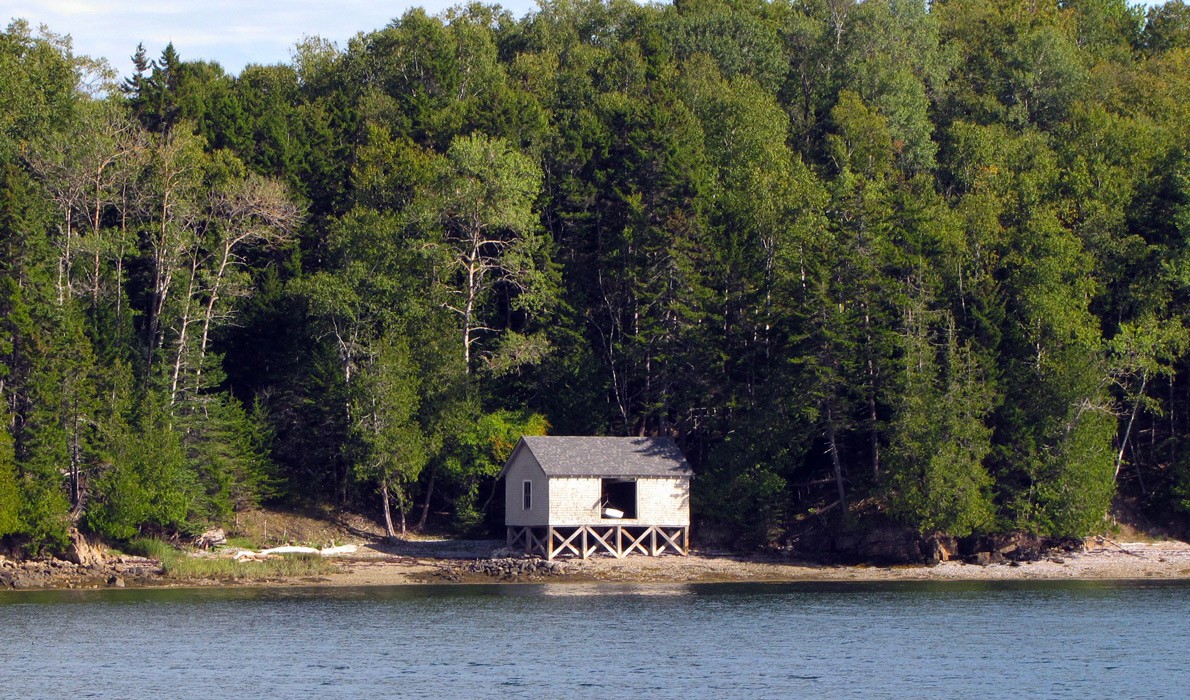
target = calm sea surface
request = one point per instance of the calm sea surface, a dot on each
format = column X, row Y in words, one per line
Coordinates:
column 1050, row 639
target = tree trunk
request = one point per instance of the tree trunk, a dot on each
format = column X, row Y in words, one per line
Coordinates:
column 468, row 309
column 76, row 456
column 209, row 314
column 388, row 514
column 175, row 382
column 64, row 263
column 425, row 506
column 874, row 434
column 835, row 461
column 491, row 496
column 1128, row 431
column 162, row 279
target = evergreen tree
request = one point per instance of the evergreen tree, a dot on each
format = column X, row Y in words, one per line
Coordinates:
column 939, row 437
column 148, row 487
column 10, row 495
column 40, row 382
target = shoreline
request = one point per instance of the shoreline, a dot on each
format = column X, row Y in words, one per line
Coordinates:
column 379, row 565
column 1137, row 561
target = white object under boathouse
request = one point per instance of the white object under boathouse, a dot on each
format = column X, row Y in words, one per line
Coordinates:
column 579, row 496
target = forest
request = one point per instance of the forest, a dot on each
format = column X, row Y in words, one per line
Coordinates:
column 886, row 261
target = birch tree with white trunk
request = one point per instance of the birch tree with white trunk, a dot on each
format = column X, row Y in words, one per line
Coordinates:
column 483, row 233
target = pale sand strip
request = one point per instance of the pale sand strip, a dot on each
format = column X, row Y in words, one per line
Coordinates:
column 1100, row 560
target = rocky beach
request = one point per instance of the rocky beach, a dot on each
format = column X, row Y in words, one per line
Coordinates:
column 377, row 563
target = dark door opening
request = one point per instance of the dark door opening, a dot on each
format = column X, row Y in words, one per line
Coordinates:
column 618, row 499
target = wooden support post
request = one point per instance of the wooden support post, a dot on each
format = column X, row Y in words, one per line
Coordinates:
column 585, row 540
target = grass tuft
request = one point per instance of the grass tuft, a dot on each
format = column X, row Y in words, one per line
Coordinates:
column 151, row 547
column 242, row 543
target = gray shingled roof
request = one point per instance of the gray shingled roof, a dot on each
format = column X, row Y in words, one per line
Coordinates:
column 608, row 456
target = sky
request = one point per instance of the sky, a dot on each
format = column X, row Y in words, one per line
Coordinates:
column 232, row 32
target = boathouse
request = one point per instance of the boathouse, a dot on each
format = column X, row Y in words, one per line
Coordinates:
column 577, row 496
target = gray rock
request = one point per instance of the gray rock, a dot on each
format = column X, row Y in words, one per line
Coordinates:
column 891, row 546
column 938, row 550
column 81, row 552
column 211, row 538
column 25, row 580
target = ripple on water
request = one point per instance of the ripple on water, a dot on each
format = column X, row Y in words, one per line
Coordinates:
column 1048, row 639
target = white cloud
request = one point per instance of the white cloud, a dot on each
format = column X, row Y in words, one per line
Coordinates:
column 231, row 32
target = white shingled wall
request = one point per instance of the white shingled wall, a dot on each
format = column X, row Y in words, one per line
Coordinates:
column 659, row 501
column 524, row 467
column 574, row 501
column 663, row 501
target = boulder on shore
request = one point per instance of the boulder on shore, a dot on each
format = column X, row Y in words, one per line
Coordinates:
column 885, row 546
column 211, row 538
column 24, row 580
column 82, row 552
column 939, row 548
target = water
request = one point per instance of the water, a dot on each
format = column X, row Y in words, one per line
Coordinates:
column 903, row 640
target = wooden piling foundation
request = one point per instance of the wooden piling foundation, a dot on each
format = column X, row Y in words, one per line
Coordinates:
column 582, row 541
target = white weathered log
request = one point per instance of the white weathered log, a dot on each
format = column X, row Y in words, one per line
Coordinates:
column 291, row 549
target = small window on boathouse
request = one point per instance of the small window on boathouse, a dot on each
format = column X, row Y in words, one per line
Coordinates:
column 527, row 495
